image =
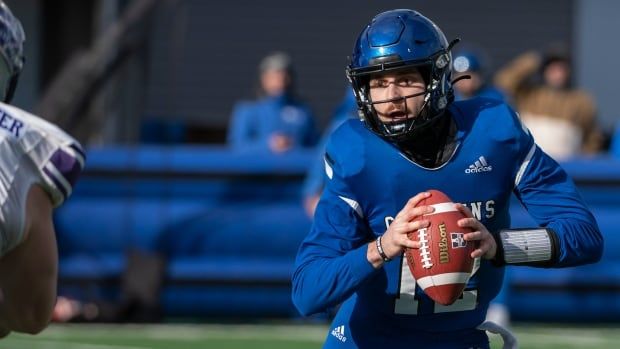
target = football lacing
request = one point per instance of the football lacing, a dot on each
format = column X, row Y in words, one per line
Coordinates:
column 424, row 251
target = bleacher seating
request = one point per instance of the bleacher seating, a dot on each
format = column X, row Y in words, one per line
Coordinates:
column 229, row 224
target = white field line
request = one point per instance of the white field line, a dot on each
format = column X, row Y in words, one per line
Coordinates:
column 19, row 343
column 571, row 337
column 189, row 332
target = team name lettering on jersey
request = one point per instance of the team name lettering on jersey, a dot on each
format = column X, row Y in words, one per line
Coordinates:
column 10, row 124
column 477, row 209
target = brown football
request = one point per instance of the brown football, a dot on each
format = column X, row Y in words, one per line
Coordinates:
column 443, row 264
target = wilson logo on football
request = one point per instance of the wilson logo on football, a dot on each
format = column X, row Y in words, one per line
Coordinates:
column 444, row 256
column 481, row 165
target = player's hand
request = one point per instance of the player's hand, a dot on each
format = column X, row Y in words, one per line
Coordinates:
column 279, row 143
column 487, row 247
column 395, row 239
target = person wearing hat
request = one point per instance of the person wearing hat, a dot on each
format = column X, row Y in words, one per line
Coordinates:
column 277, row 121
column 471, row 63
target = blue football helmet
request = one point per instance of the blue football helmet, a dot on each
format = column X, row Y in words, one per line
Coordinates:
column 12, row 40
column 401, row 40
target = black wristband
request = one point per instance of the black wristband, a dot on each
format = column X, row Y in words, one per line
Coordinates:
column 381, row 252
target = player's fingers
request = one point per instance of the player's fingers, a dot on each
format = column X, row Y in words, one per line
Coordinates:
column 404, row 227
column 464, row 209
column 473, row 236
column 482, row 249
column 413, row 201
column 412, row 213
column 471, row 223
column 416, row 225
column 411, row 243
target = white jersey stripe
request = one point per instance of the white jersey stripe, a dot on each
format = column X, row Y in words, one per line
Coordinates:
column 75, row 154
column 524, row 165
column 59, row 177
column 354, row 205
column 328, row 169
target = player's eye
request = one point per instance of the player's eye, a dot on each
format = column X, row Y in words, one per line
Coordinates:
column 407, row 82
column 378, row 83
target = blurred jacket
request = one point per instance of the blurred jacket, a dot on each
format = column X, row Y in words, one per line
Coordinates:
column 566, row 116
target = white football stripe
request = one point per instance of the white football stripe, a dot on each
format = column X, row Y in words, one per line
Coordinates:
column 442, row 208
column 443, row 279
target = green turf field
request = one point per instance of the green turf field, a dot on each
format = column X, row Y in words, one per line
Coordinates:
column 269, row 336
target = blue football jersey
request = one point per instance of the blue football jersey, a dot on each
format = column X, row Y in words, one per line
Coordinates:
column 370, row 181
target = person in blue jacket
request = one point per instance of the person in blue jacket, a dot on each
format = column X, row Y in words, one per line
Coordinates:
column 278, row 120
column 414, row 137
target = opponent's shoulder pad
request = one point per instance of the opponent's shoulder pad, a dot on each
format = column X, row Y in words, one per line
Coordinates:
column 11, row 122
column 346, row 147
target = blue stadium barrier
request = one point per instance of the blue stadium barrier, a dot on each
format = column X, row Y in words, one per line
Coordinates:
column 230, row 223
column 227, row 223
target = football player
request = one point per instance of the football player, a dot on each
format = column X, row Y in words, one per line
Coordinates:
column 39, row 164
column 413, row 137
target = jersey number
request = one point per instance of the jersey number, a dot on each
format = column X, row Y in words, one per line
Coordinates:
column 407, row 301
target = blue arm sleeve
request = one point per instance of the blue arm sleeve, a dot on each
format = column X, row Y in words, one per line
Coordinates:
column 552, row 199
column 315, row 178
column 311, row 134
column 243, row 132
column 331, row 263
column 314, row 181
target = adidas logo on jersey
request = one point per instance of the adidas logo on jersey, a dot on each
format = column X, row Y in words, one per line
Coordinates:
column 338, row 332
column 480, row 165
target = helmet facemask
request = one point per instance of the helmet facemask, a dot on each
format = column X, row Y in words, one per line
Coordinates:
column 437, row 95
column 399, row 40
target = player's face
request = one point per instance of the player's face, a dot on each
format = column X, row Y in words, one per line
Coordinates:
column 398, row 95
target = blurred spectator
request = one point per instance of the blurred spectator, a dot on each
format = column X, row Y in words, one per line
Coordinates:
column 471, row 62
column 313, row 184
column 562, row 119
column 277, row 120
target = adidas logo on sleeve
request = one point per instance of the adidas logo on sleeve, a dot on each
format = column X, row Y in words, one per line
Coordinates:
column 481, row 165
column 338, row 332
